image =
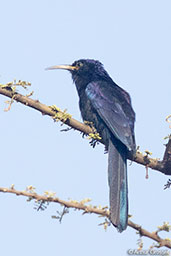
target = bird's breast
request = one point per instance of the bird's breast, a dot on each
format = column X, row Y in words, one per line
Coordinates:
column 87, row 110
column 89, row 114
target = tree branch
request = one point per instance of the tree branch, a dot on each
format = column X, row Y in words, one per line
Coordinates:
column 86, row 209
column 161, row 166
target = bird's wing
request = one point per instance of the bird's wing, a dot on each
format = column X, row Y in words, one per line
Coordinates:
column 109, row 107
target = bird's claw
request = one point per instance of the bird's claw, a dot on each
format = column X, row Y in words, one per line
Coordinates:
column 94, row 136
column 91, row 125
column 93, row 143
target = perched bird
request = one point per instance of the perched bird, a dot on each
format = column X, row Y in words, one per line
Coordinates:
column 109, row 108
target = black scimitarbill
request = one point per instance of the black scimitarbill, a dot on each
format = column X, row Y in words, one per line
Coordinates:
column 109, row 108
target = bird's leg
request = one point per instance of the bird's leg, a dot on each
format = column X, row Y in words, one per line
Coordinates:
column 59, row 114
column 94, row 136
column 83, row 133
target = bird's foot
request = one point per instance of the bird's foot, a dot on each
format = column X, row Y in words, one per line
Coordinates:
column 93, row 142
column 94, row 136
column 59, row 114
column 89, row 124
column 94, row 131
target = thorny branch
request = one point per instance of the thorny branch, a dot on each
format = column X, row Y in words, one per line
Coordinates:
column 90, row 209
column 163, row 166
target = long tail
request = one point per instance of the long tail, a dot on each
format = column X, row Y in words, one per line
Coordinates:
column 117, row 176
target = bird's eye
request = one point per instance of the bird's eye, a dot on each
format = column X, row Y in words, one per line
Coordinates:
column 79, row 64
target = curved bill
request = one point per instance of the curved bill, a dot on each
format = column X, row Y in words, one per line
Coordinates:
column 67, row 67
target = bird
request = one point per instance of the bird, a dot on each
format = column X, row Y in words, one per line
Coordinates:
column 108, row 107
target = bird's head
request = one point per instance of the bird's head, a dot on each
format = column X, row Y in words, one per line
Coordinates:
column 84, row 71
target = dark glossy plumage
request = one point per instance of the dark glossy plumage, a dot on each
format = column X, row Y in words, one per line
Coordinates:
column 108, row 106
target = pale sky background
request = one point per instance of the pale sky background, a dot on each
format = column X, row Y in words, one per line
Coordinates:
column 132, row 39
